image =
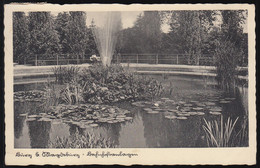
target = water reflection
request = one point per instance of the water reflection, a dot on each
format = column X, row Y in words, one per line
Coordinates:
column 39, row 133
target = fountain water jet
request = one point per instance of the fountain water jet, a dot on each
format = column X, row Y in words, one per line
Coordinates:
column 106, row 36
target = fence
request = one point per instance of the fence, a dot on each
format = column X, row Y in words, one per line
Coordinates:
column 178, row 59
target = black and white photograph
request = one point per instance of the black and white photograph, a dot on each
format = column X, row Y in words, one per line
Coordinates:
column 113, row 80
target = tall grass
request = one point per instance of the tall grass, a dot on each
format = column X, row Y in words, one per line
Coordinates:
column 220, row 134
column 65, row 74
column 88, row 140
column 242, row 135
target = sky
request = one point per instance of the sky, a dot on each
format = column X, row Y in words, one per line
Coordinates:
column 128, row 18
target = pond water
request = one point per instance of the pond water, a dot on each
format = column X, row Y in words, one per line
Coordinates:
column 145, row 130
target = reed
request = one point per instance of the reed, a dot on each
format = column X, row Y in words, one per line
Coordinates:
column 220, row 134
column 88, row 140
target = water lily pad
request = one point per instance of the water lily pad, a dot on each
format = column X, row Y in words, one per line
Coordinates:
column 187, row 105
column 193, row 113
column 215, row 113
column 197, row 108
column 210, row 103
column 216, row 109
column 170, row 117
column 32, row 116
column 200, row 105
column 200, row 113
column 213, row 100
column 230, row 98
column 153, row 112
column 165, row 98
column 224, row 102
column 87, row 121
column 93, row 125
column 128, row 118
column 156, row 104
column 182, row 118
column 31, row 119
column 147, row 109
column 122, row 116
column 186, row 109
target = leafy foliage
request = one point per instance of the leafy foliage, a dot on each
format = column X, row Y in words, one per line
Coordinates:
column 101, row 84
column 20, row 37
column 44, row 39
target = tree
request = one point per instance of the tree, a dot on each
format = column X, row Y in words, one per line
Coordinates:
column 77, row 36
column 148, row 31
column 189, row 32
column 144, row 36
column 62, row 27
column 232, row 30
column 20, row 37
column 44, row 39
column 230, row 48
column 91, row 45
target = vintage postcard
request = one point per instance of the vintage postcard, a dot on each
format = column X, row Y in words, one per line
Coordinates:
column 130, row 84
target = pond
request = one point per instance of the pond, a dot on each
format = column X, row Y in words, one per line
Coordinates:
column 194, row 97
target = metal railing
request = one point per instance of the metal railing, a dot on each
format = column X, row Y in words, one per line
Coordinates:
column 178, row 59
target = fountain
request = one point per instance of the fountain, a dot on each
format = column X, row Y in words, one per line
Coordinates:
column 105, row 36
